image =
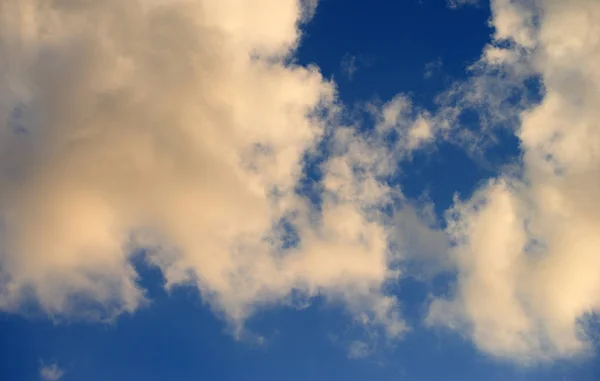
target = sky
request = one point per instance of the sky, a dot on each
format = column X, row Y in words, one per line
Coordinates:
column 299, row 189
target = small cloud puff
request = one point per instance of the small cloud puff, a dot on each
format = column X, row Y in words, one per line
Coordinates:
column 433, row 68
column 51, row 372
column 359, row 349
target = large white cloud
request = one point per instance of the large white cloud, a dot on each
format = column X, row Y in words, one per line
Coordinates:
column 179, row 127
column 528, row 244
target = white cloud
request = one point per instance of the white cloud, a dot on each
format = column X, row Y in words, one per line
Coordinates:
column 148, row 117
column 180, row 127
column 420, row 132
column 527, row 243
column 412, row 128
column 51, row 372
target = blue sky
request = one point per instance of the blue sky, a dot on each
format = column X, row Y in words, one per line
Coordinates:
column 283, row 190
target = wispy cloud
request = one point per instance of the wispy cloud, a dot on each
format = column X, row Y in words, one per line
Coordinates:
column 348, row 66
column 51, row 372
column 453, row 4
column 433, row 68
column 359, row 349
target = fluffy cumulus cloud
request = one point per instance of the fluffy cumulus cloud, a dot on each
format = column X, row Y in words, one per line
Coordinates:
column 527, row 243
column 177, row 133
column 179, row 128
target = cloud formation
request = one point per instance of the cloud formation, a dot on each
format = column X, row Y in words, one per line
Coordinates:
column 527, row 243
column 126, row 118
column 51, row 372
column 180, row 128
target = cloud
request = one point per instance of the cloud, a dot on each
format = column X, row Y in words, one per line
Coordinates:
column 433, row 68
column 348, row 66
column 51, row 372
column 453, row 4
column 412, row 128
column 527, row 243
column 180, row 129
column 359, row 349
column 148, row 117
